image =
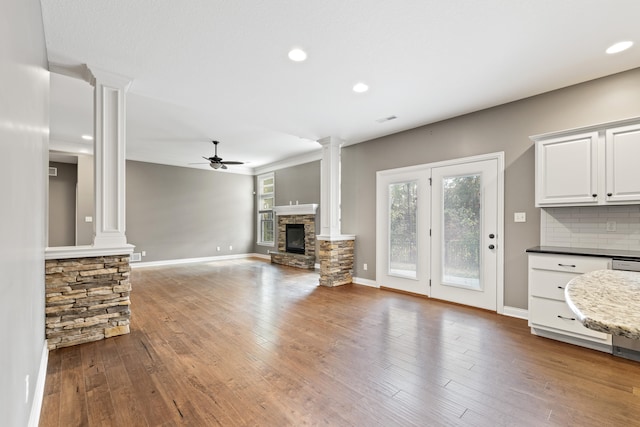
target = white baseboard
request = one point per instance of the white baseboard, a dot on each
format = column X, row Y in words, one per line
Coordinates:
column 365, row 282
column 195, row 260
column 38, row 392
column 520, row 313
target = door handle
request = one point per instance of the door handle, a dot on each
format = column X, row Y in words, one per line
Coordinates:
column 492, row 247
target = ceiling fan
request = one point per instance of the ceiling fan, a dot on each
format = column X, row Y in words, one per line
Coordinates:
column 216, row 162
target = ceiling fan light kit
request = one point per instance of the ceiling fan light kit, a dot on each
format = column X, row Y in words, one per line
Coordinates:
column 216, row 162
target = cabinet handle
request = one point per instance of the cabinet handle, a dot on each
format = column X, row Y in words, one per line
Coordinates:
column 566, row 318
column 560, row 287
column 609, row 194
column 594, row 195
column 567, row 265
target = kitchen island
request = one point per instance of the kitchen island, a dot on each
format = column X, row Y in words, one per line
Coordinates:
column 607, row 301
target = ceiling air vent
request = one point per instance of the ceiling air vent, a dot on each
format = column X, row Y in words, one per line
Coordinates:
column 53, row 171
column 386, row 119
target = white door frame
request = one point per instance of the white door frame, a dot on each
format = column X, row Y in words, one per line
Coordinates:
column 381, row 222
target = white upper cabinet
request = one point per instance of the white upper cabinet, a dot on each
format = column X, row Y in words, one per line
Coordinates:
column 567, row 170
column 597, row 165
column 622, row 154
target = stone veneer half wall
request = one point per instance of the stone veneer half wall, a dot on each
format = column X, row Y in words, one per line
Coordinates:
column 336, row 262
column 87, row 299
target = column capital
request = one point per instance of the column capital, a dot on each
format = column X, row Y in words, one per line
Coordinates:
column 108, row 78
column 330, row 141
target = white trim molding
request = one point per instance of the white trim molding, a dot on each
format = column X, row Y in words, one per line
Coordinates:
column 519, row 313
column 38, row 392
column 365, row 282
column 64, row 252
column 337, row 238
column 306, row 209
column 168, row 262
column 292, row 161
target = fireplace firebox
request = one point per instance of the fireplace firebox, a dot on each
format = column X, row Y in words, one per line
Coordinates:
column 295, row 238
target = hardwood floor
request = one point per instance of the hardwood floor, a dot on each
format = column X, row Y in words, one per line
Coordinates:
column 244, row 342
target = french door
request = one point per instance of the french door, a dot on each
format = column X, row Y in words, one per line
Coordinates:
column 403, row 201
column 439, row 230
column 464, row 233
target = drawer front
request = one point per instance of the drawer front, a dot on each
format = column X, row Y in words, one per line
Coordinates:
column 568, row 263
column 549, row 284
column 545, row 312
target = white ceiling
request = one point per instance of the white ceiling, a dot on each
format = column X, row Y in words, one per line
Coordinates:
column 216, row 69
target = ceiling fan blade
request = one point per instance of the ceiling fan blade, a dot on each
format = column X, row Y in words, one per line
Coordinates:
column 199, row 163
column 206, row 158
column 232, row 163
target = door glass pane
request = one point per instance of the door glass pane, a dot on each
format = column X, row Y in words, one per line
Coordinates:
column 403, row 236
column 461, row 242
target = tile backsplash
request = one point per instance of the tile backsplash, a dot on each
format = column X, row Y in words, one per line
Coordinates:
column 586, row 227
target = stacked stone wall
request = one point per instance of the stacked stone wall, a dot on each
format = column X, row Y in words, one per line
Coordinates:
column 336, row 262
column 87, row 299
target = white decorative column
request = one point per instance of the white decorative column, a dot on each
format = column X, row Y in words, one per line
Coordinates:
column 109, row 122
column 336, row 249
column 330, row 187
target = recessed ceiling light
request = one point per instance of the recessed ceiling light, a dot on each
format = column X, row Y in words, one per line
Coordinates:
column 87, row 137
column 297, row 55
column 360, row 87
column 619, row 47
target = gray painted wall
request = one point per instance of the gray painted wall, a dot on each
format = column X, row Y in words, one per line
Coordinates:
column 299, row 183
column 62, row 205
column 24, row 123
column 176, row 213
column 504, row 128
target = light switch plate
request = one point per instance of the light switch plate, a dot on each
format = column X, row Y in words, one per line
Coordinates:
column 88, row 219
column 519, row 217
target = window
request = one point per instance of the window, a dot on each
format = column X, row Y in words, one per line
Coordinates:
column 266, row 197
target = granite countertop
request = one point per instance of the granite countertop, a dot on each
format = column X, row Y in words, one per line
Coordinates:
column 607, row 301
column 609, row 253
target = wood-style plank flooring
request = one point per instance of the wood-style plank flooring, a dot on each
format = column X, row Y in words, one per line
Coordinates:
column 244, row 342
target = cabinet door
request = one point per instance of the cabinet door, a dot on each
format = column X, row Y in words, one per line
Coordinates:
column 566, row 170
column 622, row 147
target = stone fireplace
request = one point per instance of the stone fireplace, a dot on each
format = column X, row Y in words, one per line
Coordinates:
column 296, row 239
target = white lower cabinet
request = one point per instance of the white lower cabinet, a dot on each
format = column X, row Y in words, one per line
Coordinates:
column 549, row 314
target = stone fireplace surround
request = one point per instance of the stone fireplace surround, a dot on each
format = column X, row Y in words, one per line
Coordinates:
column 296, row 214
